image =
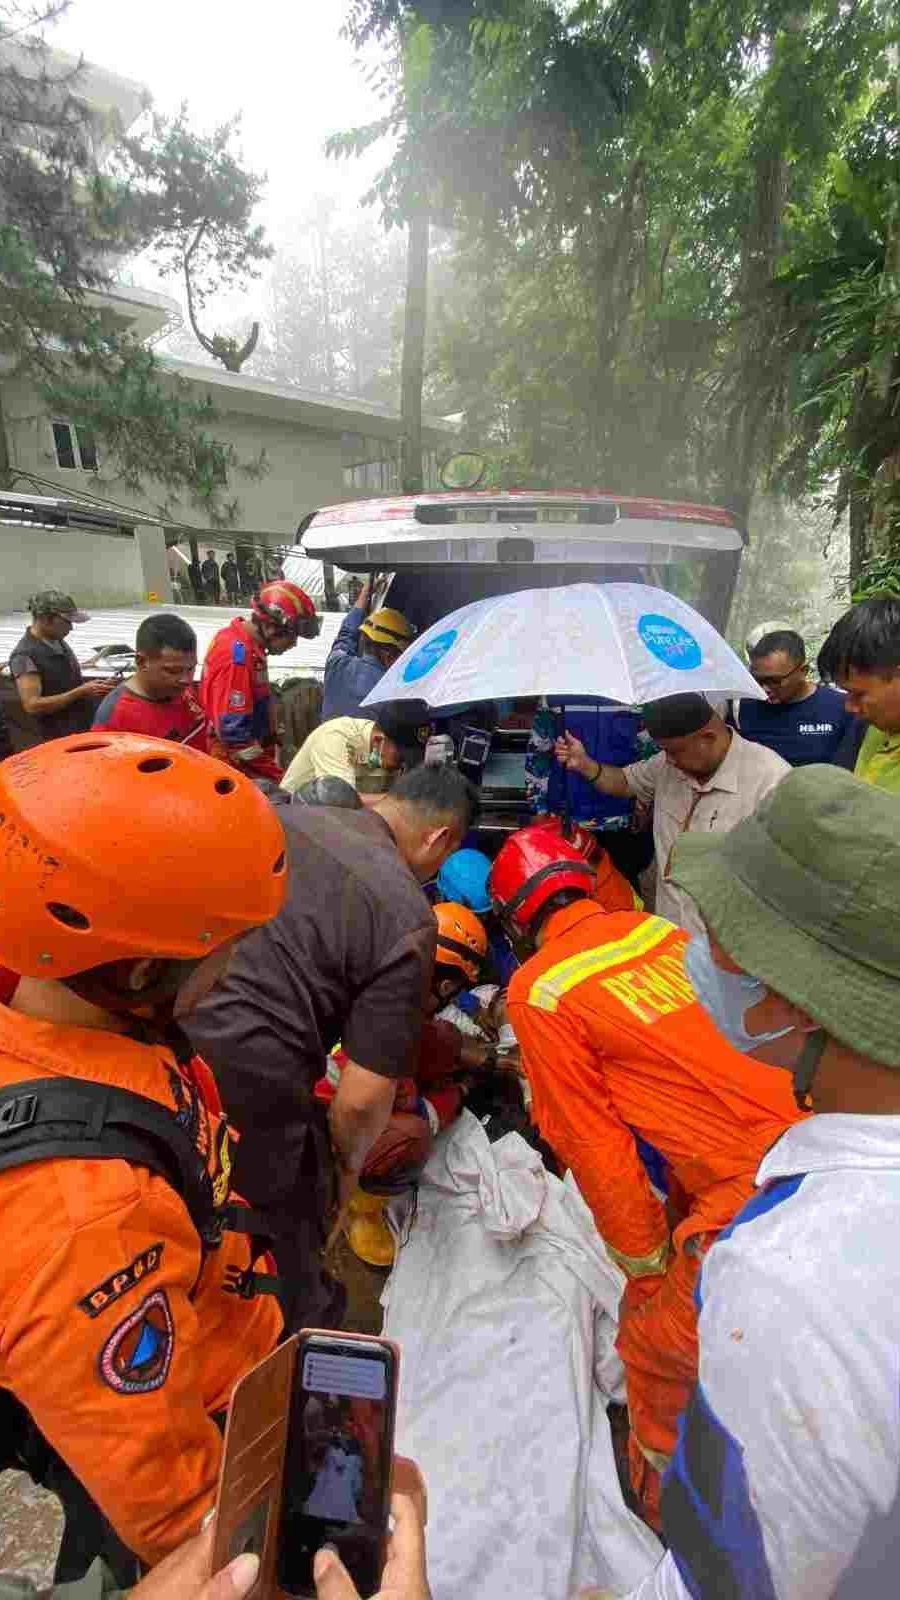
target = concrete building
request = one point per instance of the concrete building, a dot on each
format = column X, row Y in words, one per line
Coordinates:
column 317, row 449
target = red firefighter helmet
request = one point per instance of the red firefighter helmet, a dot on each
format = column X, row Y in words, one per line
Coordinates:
column 535, row 864
column 288, row 606
column 586, row 843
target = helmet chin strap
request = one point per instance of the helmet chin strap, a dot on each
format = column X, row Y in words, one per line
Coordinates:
column 807, row 1065
column 149, row 1012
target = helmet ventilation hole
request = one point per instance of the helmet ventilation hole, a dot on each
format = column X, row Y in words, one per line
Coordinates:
column 68, row 916
column 225, row 786
column 279, row 865
column 80, row 749
column 154, row 764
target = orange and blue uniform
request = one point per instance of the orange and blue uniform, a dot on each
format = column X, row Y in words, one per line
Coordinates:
column 630, row 1078
column 116, row 1330
column 237, row 702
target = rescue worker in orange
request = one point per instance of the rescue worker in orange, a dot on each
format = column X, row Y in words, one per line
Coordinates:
column 133, row 865
column 662, row 1121
column 234, row 687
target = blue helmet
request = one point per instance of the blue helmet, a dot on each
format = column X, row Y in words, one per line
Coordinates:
column 464, row 878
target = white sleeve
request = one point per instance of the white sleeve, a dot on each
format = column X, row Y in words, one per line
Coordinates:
column 798, row 1392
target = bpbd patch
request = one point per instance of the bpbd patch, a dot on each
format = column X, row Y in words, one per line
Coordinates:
column 138, row 1353
column 119, row 1283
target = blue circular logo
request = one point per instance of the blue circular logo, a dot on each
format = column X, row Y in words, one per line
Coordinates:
column 669, row 642
column 426, row 659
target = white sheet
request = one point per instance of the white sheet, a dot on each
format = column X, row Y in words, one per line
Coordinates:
column 504, row 1302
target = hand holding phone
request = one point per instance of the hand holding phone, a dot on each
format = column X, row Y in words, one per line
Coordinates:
column 337, row 1481
column 404, row 1576
column 308, row 1462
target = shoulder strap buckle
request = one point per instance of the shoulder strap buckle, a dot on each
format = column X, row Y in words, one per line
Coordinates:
column 18, row 1112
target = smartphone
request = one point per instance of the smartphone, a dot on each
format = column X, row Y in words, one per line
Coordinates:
column 308, row 1460
column 340, row 1453
column 252, row 1474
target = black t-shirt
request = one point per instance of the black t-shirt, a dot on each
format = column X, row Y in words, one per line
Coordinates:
column 348, row 958
column 57, row 667
column 802, row 732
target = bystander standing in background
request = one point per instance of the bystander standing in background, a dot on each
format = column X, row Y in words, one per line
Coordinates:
column 802, row 721
column 212, row 578
column 231, row 579
column 253, row 574
column 48, row 677
column 862, row 655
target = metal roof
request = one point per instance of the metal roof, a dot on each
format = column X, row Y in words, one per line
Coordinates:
column 120, row 625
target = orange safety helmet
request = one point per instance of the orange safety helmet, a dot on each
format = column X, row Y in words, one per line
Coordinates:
column 533, row 866
column 115, row 846
column 288, row 606
column 462, row 940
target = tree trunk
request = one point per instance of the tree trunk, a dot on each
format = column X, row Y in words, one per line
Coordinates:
column 6, row 474
column 413, row 369
column 331, row 599
column 860, row 511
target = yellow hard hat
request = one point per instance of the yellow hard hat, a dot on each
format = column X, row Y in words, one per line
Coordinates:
column 387, row 626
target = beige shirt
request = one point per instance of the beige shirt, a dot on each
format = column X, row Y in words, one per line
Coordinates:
column 682, row 804
column 337, row 749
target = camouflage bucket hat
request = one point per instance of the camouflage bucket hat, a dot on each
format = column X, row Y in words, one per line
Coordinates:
column 805, row 895
column 53, row 603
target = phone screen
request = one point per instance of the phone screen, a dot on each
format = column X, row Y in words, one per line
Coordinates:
column 339, row 1460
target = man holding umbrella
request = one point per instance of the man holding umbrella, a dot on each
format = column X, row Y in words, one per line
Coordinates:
column 705, row 779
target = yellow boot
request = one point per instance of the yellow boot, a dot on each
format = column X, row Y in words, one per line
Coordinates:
column 368, row 1235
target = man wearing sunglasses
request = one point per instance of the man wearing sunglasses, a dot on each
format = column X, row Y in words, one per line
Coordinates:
column 802, row 721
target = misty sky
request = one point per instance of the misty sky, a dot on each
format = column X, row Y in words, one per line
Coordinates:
column 281, row 63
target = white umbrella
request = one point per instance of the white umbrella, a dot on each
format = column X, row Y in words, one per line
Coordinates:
column 619, row 641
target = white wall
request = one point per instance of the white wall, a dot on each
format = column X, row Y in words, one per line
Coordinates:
column 305, row 468
column 93, row 568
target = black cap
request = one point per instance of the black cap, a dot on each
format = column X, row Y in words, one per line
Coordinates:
column 404, row 723
column 677, row 715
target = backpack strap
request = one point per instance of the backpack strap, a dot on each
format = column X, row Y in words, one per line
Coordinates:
column 46, row 1119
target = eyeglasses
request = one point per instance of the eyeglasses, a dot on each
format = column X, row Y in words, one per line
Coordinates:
column 770, row 681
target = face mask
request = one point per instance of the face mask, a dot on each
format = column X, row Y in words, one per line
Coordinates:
column 726, row 996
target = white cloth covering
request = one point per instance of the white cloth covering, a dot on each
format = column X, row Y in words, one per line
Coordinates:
column 504, row 1303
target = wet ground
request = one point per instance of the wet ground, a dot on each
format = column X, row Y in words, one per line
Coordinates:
column 30, row 1519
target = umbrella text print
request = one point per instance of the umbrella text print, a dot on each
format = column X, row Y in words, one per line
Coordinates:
column 669, row 642
column 428, row 655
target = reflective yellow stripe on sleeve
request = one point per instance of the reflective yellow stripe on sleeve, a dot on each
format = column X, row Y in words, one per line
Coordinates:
column 641, row 1266
column 547, row 990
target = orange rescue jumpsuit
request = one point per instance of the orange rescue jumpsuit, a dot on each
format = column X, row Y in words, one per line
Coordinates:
column 616, row 1045
column 115, row 1331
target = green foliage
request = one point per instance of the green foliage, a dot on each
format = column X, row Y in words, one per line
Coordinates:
column 75, row 196
column 195, row 202
column 671, row 238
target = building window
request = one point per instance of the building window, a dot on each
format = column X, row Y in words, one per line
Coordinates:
column 370, row 465
column 75, row 447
